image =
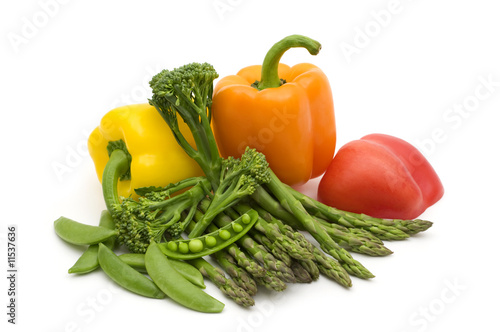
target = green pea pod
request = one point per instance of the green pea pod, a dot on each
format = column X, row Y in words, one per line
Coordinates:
column 88, row 261
column 135, row 261
column 175, row 285
column 188, row 271
column 77, row 233
column 107, row 221
column 125, row 275
column 210, row 243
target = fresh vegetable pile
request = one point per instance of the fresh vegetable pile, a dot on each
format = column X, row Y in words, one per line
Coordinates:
column 235, row 223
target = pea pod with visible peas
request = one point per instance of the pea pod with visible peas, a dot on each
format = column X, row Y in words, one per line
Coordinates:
column 125, row 275
column 188, row 271
column 77, row 233
column 211, row 242
column 88, row 261
column 175, row 285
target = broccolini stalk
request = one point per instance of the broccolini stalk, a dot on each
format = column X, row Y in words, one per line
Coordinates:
column 187, row 91
column 141, row 221
column 238, row 179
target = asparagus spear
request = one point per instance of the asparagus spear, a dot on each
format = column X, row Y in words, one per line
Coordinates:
column 239, row 275
column 325, row 264
column 227, row 286
column 356, row 244
column 280, row 241
column 301, row 273
column 271, row 282
column 275, row 250
column 385, row 229
column 331, row 268
column 270, row 263
column 309, row 266
column 290, row 203
column 242, row 259
column 297, row 237
column 411, row 227
column 359, row 233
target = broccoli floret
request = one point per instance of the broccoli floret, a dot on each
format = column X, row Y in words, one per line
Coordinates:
column 176, row 229
column 134, row 231
column 251, row 169
column 238, row 178
column 187, row 91
column 147, row 219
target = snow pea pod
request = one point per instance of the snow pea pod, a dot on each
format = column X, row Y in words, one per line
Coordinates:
column 125, row 275
column 188, row 271
column 175, row 285
column 77, row 233
column 135, row 261
column 88, row 261
column 210, row 243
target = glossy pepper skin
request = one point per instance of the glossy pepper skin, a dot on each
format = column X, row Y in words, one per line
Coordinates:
column 292, row 123
column 382, row 176
column 157, row 159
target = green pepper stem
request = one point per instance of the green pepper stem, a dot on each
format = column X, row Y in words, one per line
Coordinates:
column 269, row 76
column 117, row 165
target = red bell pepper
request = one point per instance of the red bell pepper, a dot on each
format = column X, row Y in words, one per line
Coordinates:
column 382, row 176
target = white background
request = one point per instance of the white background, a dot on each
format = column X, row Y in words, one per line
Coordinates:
column 66, row 63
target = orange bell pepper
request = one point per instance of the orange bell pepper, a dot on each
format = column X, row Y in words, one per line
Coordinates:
column 284, row 112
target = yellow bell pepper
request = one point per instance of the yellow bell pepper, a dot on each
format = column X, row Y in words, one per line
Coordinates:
column 157, row 158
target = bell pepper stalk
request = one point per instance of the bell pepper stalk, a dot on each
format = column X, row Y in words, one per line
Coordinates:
column 118, row 166
column 284, row 112
column 381, row 176
column 269, row 73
